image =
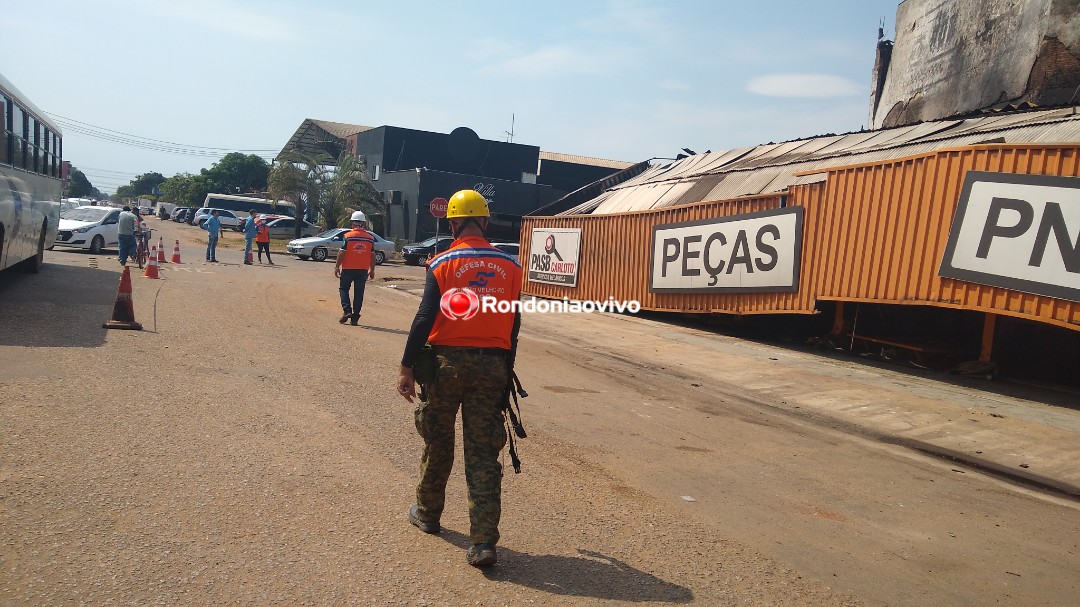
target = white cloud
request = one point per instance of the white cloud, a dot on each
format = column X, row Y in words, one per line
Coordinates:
column 804, row 86
column 557, row 60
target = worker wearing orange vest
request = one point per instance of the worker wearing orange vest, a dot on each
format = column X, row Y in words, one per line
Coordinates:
column 355, row 265
column 262, row 239
column 473, row 351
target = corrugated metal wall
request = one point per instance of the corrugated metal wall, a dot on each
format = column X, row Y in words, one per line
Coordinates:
column 877, row 232
column 872, row 233
column 615, row 257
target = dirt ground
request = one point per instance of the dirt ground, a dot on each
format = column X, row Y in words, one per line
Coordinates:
column 245, row 448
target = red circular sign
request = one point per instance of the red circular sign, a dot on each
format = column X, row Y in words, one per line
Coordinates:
column 438, row 207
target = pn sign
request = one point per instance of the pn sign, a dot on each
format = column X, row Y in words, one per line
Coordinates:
column 438, row 207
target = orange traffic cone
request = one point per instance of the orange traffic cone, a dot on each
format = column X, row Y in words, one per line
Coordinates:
column 123, row 312
column 176, row 253
column 161, row 250
column 151, row 265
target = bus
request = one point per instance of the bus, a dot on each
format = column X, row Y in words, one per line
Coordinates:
column 240, row 205
column 30, row 181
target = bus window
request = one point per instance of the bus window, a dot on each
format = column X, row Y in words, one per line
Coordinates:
column 5, row 130
column 18, row 136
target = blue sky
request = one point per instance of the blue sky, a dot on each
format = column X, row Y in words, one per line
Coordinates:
column 618, row 79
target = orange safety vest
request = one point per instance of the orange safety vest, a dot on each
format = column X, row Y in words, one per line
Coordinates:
column 472, row 263
column 357, row 250
column 262, row 232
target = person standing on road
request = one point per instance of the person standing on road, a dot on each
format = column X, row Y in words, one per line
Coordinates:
column 355, row 265
column 250, row 230
column 474, row 351
column 213, row 232
column 262, row 239
column 125, row 234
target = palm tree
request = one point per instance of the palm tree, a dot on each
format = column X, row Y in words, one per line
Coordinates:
column 345, row 189
column 298, row 176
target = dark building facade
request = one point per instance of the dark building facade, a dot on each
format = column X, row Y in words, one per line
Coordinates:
column 412, row 167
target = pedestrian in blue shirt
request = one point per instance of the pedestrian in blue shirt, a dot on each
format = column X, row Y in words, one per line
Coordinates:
column 213, row 231
column 250, row 231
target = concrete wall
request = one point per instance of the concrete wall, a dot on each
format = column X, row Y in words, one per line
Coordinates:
column 956, row 56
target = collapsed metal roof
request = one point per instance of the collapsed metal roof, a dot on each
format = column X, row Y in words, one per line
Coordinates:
column 312, row 136
column 586, row 160
column 770, row 168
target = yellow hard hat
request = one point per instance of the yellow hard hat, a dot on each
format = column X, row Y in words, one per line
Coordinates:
column 467, row 203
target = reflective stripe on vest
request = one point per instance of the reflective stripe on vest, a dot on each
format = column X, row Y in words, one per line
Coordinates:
column 357, row 248
column 472, row 263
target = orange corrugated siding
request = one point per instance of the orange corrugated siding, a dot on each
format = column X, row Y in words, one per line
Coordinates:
column 615, row 258
column 877, row 232
column 872, row 233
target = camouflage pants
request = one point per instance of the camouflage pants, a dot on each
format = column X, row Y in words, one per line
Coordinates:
column 475, row 381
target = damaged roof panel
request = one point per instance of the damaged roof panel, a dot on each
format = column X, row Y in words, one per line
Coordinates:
column 770, row 168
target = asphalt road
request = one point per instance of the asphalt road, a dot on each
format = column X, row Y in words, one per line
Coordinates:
column 246, row 448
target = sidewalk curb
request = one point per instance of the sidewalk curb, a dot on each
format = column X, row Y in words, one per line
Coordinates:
column 1029, row 479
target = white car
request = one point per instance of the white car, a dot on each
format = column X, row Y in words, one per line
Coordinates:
column 328, row 244
column 91, row 228
column 227, row 218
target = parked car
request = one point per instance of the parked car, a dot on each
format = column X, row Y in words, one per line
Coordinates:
column 69, row 204
column 286, row 228
column 417, row 253
column 510, row 248
column 91, row 228
column 328, row 244
column 146, row 211
column 227, row 218
column 179, row 213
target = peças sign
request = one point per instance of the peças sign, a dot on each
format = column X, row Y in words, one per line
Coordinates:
column 553, row 256
column 752, row 253
column 1020, row 232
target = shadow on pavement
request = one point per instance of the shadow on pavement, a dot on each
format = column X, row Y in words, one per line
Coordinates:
column 63, row 306
column 591, row 574
column 384, row 330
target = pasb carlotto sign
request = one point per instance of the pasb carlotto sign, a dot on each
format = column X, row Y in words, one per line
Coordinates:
column 1020, row 232
column 553, row 256
column 752, row 253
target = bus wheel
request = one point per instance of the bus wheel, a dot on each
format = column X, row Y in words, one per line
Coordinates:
column 33, row 265
column 96, row 245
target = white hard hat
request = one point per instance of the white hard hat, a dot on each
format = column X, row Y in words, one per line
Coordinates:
column 358, row 216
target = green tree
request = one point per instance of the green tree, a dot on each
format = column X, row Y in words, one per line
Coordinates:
column 144, row 184
column 237, row 173
column 185, row 189
column 298, row 177
column 347, row 188
column 79, row 186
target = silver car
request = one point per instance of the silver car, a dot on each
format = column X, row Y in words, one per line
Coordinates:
column 285, row 227
column 510, row 248
column 328, row 244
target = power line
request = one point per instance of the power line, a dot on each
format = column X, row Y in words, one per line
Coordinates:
column 89, row 126
column 201, row 153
